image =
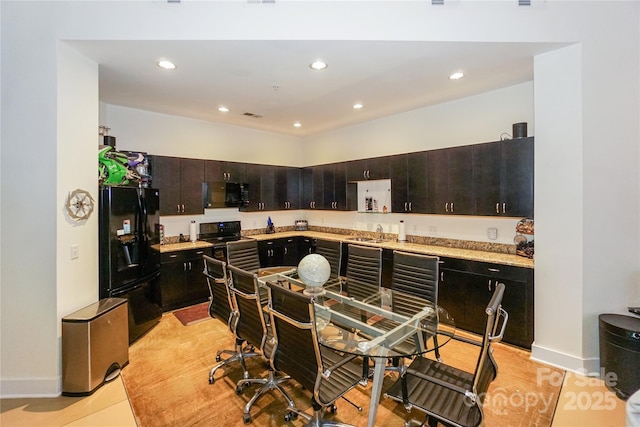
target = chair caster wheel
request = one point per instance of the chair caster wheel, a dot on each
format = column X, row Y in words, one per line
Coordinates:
column 211, row 380
column 246, row 418
column 218, row 358
column 290, row 416
column 333, row 409
column 239, row 390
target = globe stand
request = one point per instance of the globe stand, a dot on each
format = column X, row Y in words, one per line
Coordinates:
column 314, row 291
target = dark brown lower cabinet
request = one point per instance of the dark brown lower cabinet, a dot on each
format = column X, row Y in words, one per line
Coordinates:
column 467, row 286
column 181, row 282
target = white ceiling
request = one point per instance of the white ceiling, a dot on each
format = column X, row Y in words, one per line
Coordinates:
column 273, row 79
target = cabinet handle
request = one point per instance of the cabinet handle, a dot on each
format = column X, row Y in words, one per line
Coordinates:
column 446, row 207
column 178, row 208
column 410, row 206
column 451, row 207
column 442, row 276
column 405, row 206
column 173, row 256
column 199, row 252
column 184, row 266
column 494, row 270
column 497, row 208
column 182, row 208
column 286, row 251
column 489, row 285
column 504, row 207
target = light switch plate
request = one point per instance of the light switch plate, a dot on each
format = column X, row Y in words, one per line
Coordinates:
column 492, row 233
column 75, row 251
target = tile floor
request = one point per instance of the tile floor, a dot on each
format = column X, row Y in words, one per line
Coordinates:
column 584, row 402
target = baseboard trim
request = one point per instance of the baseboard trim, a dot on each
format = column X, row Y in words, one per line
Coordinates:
column 30, row 387
column 589, row 366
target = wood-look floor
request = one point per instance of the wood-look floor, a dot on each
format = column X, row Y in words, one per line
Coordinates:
column 167, row 384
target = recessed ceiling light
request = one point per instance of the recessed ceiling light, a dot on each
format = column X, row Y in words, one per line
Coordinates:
column 297, row 125
column 318, row 65
column 456, row 76
column 223, row 109
column 167, row 65
column 357, row 106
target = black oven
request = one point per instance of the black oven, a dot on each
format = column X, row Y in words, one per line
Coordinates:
column 219, row 233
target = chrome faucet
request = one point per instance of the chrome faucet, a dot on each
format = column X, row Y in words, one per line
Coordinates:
column 380, row 231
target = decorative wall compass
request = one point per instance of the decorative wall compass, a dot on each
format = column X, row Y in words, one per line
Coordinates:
column 79, row 204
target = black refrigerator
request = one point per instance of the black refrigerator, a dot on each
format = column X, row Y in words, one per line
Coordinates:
column 129, row 219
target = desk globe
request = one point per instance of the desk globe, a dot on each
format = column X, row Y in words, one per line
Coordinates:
column 314, row 270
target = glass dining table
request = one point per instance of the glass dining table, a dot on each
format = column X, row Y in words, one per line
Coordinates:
column 386, row 325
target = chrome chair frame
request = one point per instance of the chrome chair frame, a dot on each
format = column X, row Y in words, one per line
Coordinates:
column 330, row 375
column 449, row 395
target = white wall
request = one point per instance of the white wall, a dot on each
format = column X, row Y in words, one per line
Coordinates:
column 167, row 135
column 480, row 118
column 609, row 255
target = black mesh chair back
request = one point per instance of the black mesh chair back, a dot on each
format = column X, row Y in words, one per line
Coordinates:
column 449, row 395
column 416, row 275
column 253, row 327
column 244, row 255
column 332, row 251
column 364, row 271
column 297, row 353
column 220, row 306
column 250, row 325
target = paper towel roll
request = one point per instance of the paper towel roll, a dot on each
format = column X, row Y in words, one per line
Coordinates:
column 402, row 235
column 193, row 234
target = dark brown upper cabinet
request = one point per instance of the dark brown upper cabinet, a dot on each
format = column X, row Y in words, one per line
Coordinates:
column 365, row 169
column 180, row 183
column 503, row 178
column 217, row 170
column 450, row 181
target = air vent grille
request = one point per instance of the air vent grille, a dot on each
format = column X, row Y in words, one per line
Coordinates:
column 255, row 116
column 524, row 2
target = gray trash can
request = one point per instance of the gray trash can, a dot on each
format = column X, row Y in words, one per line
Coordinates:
column 95, row 346
column 620, row 352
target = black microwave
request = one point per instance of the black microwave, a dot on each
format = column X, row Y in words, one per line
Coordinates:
column 223, row 194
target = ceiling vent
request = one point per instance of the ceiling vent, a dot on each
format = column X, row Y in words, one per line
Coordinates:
column 437, row 2
column 524, row 2
column 255, row 116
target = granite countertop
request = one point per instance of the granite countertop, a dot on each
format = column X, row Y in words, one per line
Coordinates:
column 182, row 246
column 468, row 254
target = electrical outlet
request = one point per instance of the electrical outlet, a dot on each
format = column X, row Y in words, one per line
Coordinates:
column 492, row 233
column 75, row 251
